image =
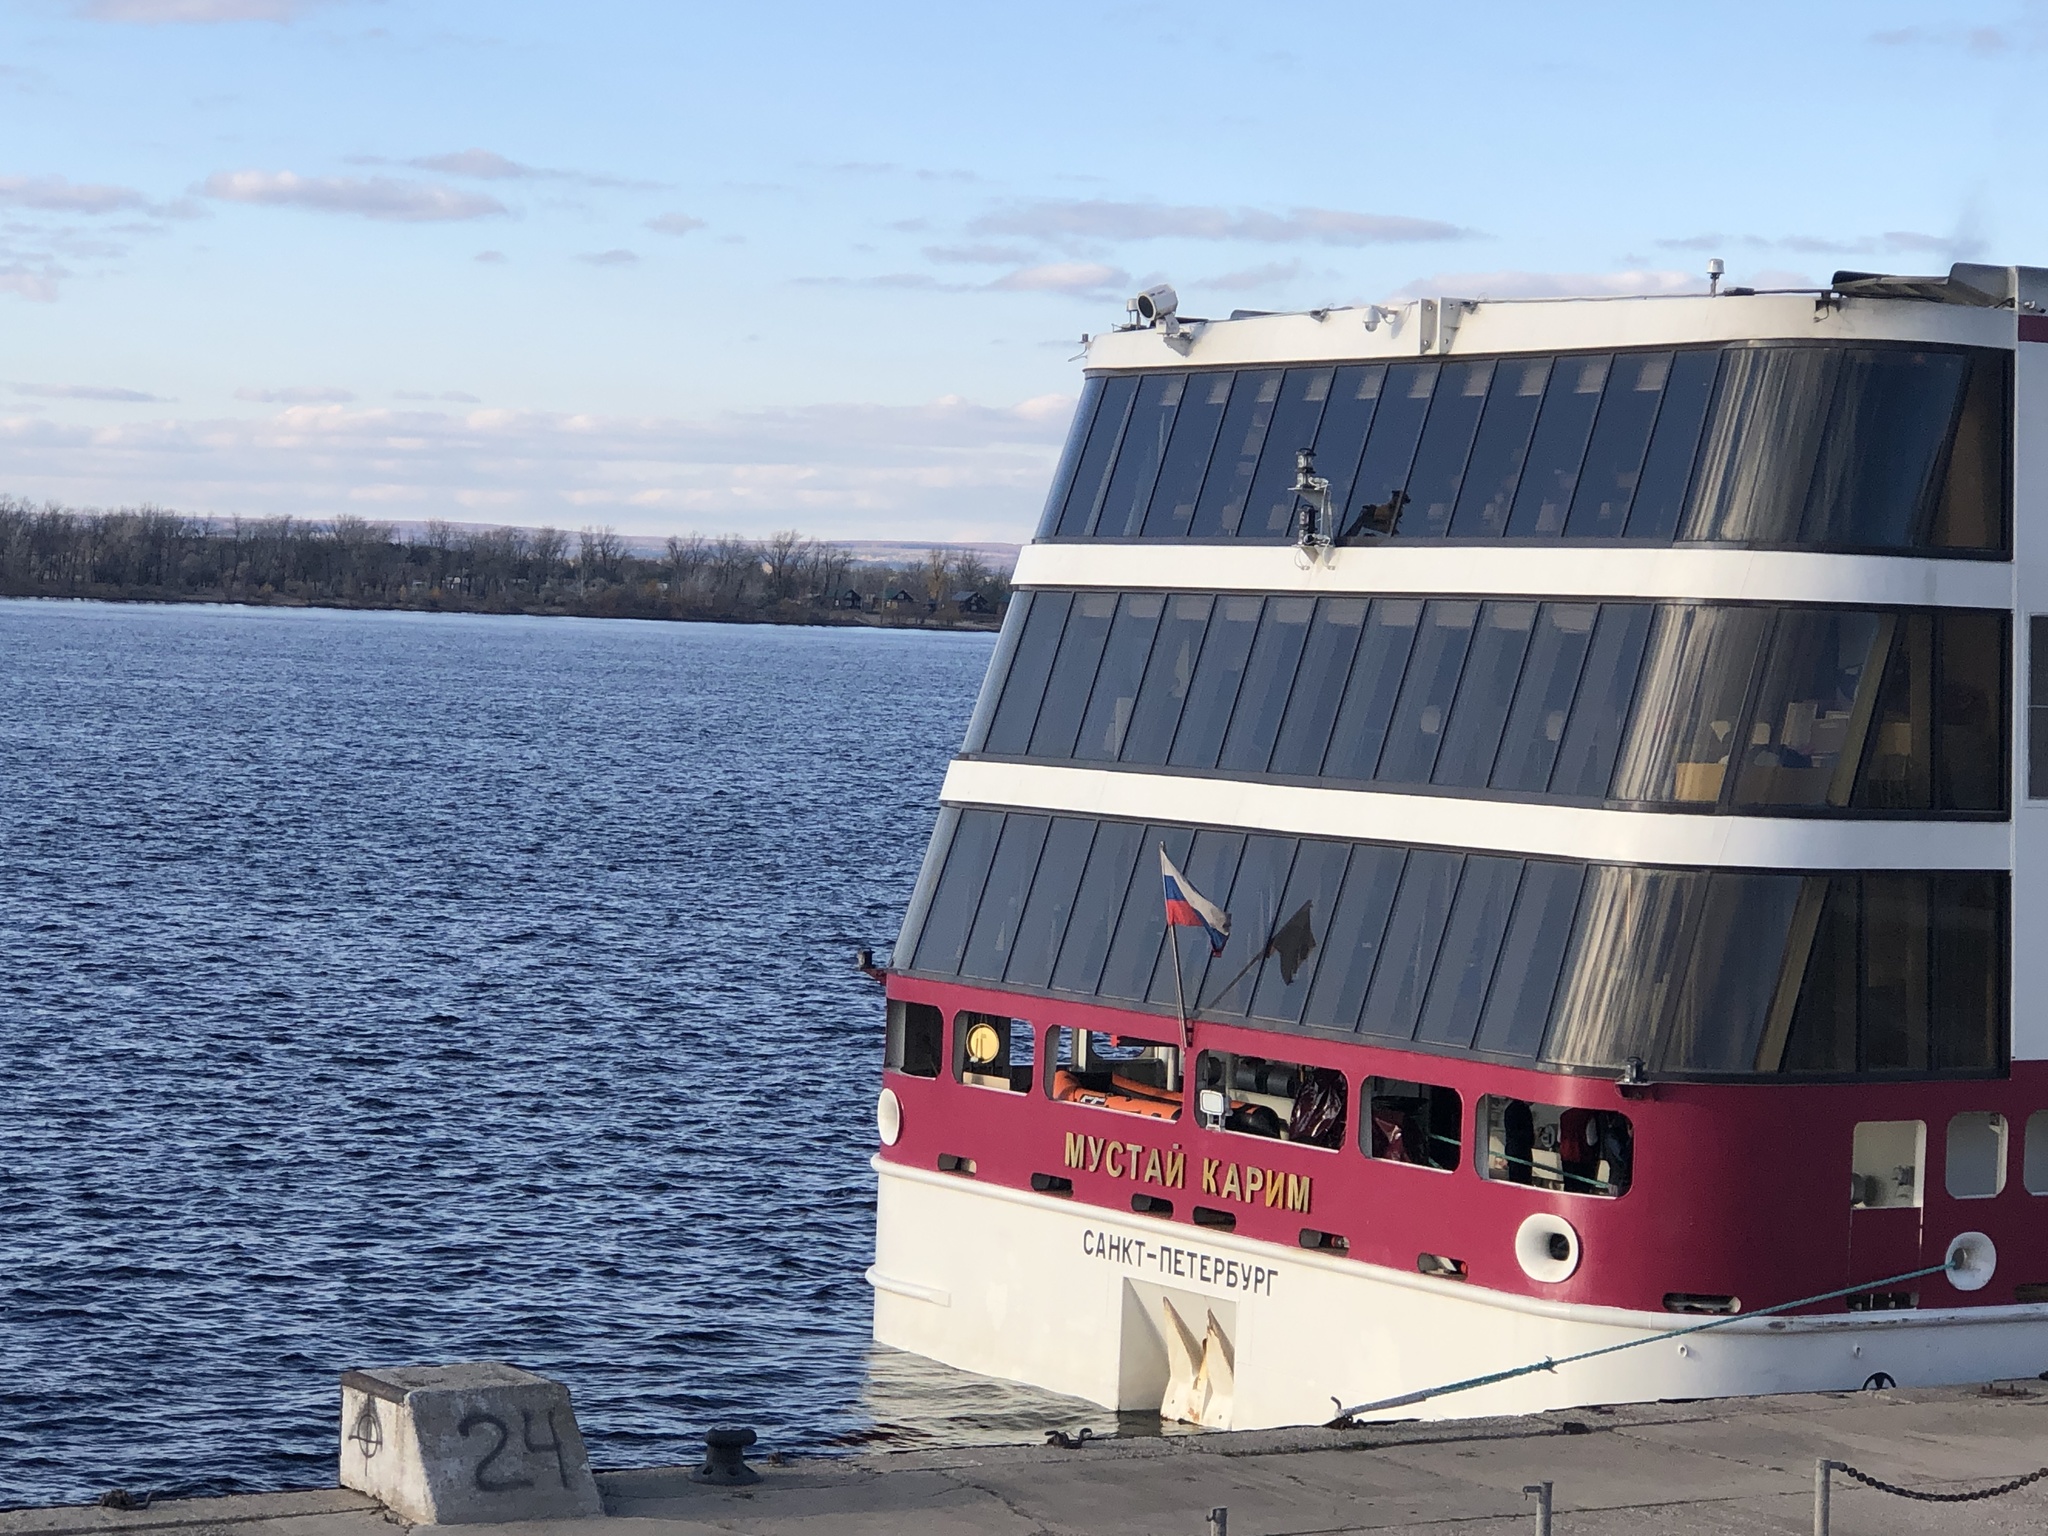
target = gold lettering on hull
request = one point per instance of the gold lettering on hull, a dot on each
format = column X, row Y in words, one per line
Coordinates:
column 1167, row 1167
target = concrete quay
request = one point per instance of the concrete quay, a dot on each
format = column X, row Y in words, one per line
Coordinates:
column 1730, row 1466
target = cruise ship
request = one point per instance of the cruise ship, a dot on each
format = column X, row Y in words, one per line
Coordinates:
column 1600, row 746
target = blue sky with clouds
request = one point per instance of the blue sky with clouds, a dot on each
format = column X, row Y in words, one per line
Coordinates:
column 732, row 267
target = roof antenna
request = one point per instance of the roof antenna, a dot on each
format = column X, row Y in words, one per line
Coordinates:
column 1715, row 267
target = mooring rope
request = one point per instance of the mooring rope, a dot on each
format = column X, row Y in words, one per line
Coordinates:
column 1548, row 1364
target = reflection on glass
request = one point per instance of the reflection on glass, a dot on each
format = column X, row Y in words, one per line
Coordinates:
column 1239, row 442
column 1417, row 730
column 1503, row 443
column 1446, row 445
column 1092, row 469
column 1073, row 675
column 1351, row 950
column 1880, row 462
column 1763, row 436
column 1267, row 678
column 1970, row 712
column 1187, row 456
column 1340, row 440
column 1140, row 925
column 1051, row 903
column 1976, row 498
column 1269, row 505
column 1319, row 686
column 1312, row 888
column 1689, row 707
column 1002, row 904
column 1485, row 689
column 1218, row 674
column 1534, row 728
column 1224, row 984
column 1621, row 436
column 1559, row 447
column 1394, row 1001
column 944, row 940
column 1667, row 467
column 1806, row 732
column 1137, row 461
column 1167, row 677
column 1531, row 957
column 1070, row 456
column 1030, row 665
column 1471, row 947
column 1115, row 693
column 1396, row 427
column 1368, row 702
column 1104, row 882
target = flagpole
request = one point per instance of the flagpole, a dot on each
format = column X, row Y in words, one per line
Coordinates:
column 1187, row 1034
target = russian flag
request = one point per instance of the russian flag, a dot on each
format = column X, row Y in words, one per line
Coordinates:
column 1187, row 907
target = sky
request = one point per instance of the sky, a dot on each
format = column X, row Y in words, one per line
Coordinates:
column 731, row 268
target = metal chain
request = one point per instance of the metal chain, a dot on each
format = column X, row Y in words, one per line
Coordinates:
column 1939, row 1498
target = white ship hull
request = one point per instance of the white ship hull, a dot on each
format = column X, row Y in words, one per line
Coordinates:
column 1067, row 1298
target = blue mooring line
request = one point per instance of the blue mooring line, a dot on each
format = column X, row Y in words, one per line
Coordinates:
column 1547, row 1364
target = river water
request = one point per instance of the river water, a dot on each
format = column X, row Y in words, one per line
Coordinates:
column 393, row 988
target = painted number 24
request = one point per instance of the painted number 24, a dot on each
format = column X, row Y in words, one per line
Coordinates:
column 485, row 1482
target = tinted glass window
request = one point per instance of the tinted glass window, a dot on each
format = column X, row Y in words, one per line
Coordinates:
column 1357, row 925
column 1267, row 679
column 2037, row 707
column 1472, row 941
column 1968, row 1026
column 1340, row 441
column 1097, row 906
column 1207, row 858
column 1091, row 470
column 1138, row 459
column 1970, row 712
column 1368, row 703
column 1416, row 732
column 1632, row 941
column 1256, row 912
column 1070, row 456
column 1898, row 753
column 1030, row 666
column 1179, row 485
column 1269, row 508
column 1976, row 493
column 1762, row 438
column 1319, row 686
column 1439, row 470
column 1239, row 442
column 1531, row 956
column 1396, row 428
column 1233, row 624
column 1723, row 998
column 994, row 934
column 1485, row 691
column 1621, row 436
column 1115, row 694
column 1488, row 491
column 1051, row 903
column 1167, row 677
column 1667, row 467
column 1824, row 1023
column 1073, row 675
column 1895, row 973
column 1285, row 976
column 943, row 943
column 1881, row 459
column 1689, row 707
column 1394, row 1001
column 1565, row 422
column 1805, row 732
column 1534, row 729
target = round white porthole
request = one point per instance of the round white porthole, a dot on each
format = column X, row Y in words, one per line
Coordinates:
column 1547, row 1248
column 1972, row 1260
column 889, row 1117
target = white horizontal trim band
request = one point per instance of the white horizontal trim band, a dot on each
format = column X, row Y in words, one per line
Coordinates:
column 1444, row 821
column 910, row 1288
column 1731, row 575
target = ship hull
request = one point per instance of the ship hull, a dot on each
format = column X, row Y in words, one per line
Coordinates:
column 1067, row 1298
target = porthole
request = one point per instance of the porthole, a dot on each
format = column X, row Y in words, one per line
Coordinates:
column 1547, row 1248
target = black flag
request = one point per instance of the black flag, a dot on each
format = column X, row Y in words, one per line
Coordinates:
column 1294, row 942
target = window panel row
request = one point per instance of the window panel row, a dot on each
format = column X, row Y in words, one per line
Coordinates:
column 1577, row 965
column 1740, row 708
column 1809, row 445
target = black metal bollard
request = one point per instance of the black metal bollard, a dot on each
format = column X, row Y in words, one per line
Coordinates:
column 725, row 1459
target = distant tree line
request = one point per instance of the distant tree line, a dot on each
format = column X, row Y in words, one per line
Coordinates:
column 148, row 553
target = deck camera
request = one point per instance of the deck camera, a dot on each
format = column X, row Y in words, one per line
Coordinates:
column 1155, row 306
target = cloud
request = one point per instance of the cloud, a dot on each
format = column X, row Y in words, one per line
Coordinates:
column 674, row 224
column 1956, row 247
column 36, row 284
column 1510, row 284
column 460, row 397
column 489, row 165
column 949, row 468
column 978, row 255
column 1268, row 274
column 54, row 194
column 154, row 13
column 1064, row 219
column 489, row 258
column 370, row 197
column 88, row 392
column 611, row 258
column 298, row 394
column 1985, row 42
column 1083, row 277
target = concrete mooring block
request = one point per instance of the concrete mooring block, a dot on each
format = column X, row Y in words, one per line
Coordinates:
column 460, row 1444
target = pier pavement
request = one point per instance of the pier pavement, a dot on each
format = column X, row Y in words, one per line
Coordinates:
column 1733, row 1466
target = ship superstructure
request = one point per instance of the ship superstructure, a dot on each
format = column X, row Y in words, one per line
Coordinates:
column 1626, row 701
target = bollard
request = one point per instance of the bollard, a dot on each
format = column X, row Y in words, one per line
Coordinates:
column 1219, row 1522
column 725, row 1459
column 1821, row 1492
column 1542, row 1492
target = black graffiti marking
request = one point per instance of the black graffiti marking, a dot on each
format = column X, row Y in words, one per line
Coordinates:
column 488, row 1484
column 554, row 1443
column 367, row 1432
